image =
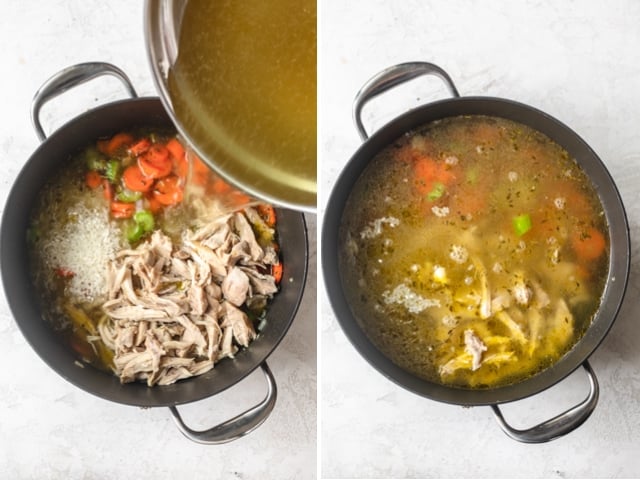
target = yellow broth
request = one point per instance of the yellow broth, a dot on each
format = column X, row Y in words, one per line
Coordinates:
column 474, row 251
column 244, row 88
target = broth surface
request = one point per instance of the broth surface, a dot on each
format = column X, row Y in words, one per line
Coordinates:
column 474, row 252
column 244, row 87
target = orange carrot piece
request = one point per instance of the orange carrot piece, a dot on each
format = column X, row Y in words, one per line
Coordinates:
column 117, row 142
column 239, row 198
column 589, row 245
column 199, row 171
column 140, row 147
column 122, row 209
column 107, row 190
column 267, row 212
column 168, row 190
column 154, row 165
column 158, row 153
column 276, row 271
column 175, row 149
column 153, row 204
column 428, row 172
column 93, row 179
column 219, row 186
column 134, row 179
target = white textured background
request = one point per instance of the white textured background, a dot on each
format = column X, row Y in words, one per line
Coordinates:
column 49, row 429
column 578, row 61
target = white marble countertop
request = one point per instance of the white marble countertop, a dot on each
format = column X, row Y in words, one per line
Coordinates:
column 576, row 60
column 50, row 429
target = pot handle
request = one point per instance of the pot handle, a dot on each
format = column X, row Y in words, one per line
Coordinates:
column 71, row 77
column 239, row 425
column 560, row 425
column 392, row 77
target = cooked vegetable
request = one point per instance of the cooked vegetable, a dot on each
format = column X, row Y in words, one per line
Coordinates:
column 437, row 191
column 268, row 213
column 155, row 162
column 144, row 218
column 168, row 190
column 122, row 209
column 117, row 143
column 126, row 195
column 112, row 171
column 589, row 245
column 276, row 271
column 93, row 179
column 134, row 179
column 522, row 224
column 140, row 147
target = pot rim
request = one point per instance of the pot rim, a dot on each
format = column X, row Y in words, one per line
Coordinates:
column 619, row 260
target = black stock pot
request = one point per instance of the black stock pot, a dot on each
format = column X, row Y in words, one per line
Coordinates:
column 51, row 155
column 615, row 218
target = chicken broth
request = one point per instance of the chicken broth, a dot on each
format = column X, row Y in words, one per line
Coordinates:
column 244, row 87
column 474, row 251
column 149, row 265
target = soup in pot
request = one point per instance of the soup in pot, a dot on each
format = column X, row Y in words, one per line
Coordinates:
column 474, row 251
column 147, row 264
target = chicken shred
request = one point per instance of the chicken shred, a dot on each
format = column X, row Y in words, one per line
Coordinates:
column 174, row 310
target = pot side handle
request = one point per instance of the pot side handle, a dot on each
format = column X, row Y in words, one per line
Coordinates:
column 390, row 78
column 239, row 425
column 71, row 77
column 560, row 425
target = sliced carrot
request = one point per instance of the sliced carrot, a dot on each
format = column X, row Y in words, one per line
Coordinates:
column 154, row 205
column 276, row 271
column 429, row 172
column 107, row 189
column 175, row 149
column 239, row 198
column 219, row 186
column 199, row 171
column 168, row 190
column 140, row 147
column 158, row 153
column 117, row 142
column 589, row 245
column 93, row 179
column 154, row 165
column 267, row 212
column 181, row 167
column 135, row 180
column 122, row 209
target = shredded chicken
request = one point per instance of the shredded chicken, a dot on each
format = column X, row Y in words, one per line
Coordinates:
column 474, row 347
column 174, row 310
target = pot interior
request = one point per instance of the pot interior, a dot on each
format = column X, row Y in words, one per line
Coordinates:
column 51, row 155
column 604, row 186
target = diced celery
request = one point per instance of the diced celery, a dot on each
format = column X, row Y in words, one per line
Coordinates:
column 437, row 191
column 522, row 224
